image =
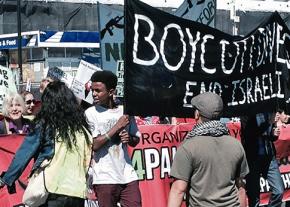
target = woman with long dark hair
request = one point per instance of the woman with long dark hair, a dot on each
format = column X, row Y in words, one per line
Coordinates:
column 60, row 136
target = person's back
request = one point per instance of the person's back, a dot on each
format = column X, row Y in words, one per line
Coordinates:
column 72, row 164
column 214, row 163
column 209, row 165
column 61, row 146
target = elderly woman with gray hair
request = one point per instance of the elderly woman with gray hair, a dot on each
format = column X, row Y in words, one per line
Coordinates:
column 12, row 110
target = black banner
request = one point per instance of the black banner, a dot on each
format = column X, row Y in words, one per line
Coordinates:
column 169, row 60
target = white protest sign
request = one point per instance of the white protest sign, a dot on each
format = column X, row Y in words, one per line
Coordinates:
column 81, row 83
column 120, row 76
column 7, row 83
column 58, row 74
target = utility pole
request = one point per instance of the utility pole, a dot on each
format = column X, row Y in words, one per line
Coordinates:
column 234, row 18
column 19, row 40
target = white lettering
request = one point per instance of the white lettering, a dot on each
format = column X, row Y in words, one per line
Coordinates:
column 170, row 67
column 193, row 47
column 136, row 60
column 279, row 42
column 152, row 161
column 279, row 92
column 207, row 70
column 258, row 90
column 165, row 162
column 188, row 94
column 265, row 87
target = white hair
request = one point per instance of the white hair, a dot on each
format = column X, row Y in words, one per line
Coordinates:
column 8, row 101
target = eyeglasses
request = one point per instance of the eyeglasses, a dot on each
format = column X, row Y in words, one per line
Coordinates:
column 28, row 102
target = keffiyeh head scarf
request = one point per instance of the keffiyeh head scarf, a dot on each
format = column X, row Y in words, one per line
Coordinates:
column 210, row 128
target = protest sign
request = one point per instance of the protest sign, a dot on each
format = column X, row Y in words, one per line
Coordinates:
column 7, row 83
column 58, row 74
column 169, row 60
column 111, row 25
column 81, row 83
column 202, row 11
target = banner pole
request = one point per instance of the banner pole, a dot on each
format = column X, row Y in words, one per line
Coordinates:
column 125, row 62
column 19, row 40
column 99, row 27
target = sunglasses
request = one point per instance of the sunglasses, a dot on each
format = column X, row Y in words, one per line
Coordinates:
column 28, row 102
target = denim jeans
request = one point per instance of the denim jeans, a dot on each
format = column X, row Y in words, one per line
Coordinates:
column 270, row 170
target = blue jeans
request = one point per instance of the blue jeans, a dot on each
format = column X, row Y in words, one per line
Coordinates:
column 270, row 170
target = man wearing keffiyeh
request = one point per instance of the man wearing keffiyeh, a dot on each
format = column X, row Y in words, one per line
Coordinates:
column 209, row 165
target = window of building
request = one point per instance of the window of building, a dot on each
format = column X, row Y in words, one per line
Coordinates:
column 37, row 53
column 73, row 52
column 56, row 52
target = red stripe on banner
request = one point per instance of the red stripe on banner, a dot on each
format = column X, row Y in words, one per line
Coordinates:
column 8, row 146
column 152, row 159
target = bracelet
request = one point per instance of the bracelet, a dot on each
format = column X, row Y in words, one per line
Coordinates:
column 107, row 137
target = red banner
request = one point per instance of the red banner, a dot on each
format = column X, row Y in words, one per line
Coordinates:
column 8, row 146
column 152, row 159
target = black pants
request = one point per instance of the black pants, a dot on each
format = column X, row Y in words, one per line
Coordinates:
column 56, row 200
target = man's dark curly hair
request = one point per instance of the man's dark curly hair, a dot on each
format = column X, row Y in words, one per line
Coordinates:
column 61, row 114
column 106, row 77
